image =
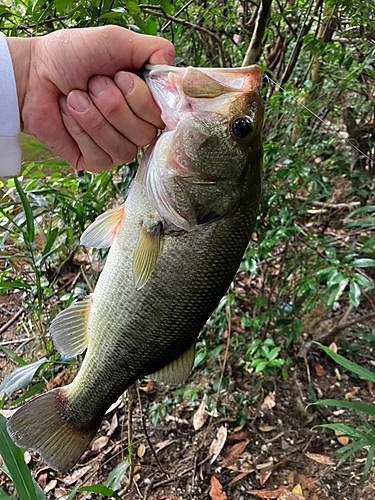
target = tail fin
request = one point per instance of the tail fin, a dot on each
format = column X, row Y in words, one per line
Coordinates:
column 47, row 425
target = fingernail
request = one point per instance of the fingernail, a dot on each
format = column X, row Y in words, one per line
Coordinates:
column 125, row 82
column 63, row 105
column 97, row 85
column 79, row 101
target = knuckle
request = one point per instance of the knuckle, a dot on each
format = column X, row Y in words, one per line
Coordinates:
column 127, row 154
column 148, row 135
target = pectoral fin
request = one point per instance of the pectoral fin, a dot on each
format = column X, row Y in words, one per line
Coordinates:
column 147, row 253
column 177, row 371
column 69, row 329
column 102, row 232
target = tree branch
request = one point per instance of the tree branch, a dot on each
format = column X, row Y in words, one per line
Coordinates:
column 254, row 50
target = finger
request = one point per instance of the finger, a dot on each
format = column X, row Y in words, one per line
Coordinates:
column 113, row 106
column 139, row 98
column 101, row 132
column 92, row 158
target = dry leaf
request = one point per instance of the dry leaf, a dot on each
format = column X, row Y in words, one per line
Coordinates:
column 141, row 450
column 244, row 464
column 137, row 467
column 42, row 481
column 234, row 452
column 238, row 478
column 218, row 443
column 238, row 437
column 321, row 459
column 333, row 347
column 27, row 457
column 164, row 444
column 99, row 443
column 269, row 401
column 269, row 495
column 171, row 418
column 148, row 387
column 290, row 495
column 297, row 489
column 342, row 440
column 8, row 413
column 115, row 405
column 216, row 491
column 319, row 370
column 264, row 475
column 239, row 428
column 369, row 386
column 77, row 474
column 50, row 486
column 59, row 492
column 113, row 425
column 353, row 392
column 201, row 415
column 266, row 428
column 169, row 497
column 137, row 477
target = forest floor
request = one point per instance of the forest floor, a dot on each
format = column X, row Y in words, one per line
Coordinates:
column 276, row 454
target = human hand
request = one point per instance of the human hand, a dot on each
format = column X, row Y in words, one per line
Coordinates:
column 89, row 120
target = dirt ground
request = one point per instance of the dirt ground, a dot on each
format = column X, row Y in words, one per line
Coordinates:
column 276, row 450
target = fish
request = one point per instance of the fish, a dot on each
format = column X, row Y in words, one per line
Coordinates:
column 175, row 246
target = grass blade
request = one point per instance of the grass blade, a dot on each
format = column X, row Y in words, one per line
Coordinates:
column 13, row 459
column 353, row 405
column 349, row 365
column 30, row 230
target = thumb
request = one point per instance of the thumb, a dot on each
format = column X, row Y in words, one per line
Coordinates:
column 133, row 50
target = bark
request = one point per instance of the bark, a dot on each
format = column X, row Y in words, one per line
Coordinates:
column 254, row 50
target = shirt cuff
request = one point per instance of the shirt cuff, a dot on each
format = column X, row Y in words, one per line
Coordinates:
column 10, row 148
column 10, row 155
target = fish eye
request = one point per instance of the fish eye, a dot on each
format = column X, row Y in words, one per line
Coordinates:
column 242, row 127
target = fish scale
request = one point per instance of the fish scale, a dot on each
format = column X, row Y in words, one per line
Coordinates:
column 176, row 245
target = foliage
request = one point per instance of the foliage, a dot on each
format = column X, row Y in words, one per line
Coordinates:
column 314, row 242
column 362, row 435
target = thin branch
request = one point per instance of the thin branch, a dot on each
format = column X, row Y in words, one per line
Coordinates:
column 177, row 14
column 160, row 12
column 255, row 47
column 11, row 321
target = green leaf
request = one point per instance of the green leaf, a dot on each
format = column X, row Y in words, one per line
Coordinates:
column 353, row 405
column 30, row 392
column 151, row 27
column 349, row 365
column 369, row 460
column 354, row 293
column 102, row 490
column 362, row 280
column 30, row 232
column 20, row 377
column 166, row 6
column 363, row 263
column 115, row 475
column 13, row 356
column 13, row 459
column 361, row 210
column 367, row 221
column 3, row 496
column 133, row 7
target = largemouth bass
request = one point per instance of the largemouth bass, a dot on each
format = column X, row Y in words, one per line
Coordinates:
column 176, row 245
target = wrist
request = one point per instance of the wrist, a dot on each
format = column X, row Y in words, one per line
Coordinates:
column 21, row 50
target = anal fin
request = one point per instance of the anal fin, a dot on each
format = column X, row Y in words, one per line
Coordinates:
column 69, row 329
column 178, row 370
column 147, row 253
column 103, row 231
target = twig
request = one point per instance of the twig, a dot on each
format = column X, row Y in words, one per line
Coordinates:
column 130, row 437
column 326, row 338
column 87, row 281
column 177, row 14
column 11, row 321
column 146, row 434
column 160, row 12
column 18, row 341
column 229, row 321
column 329, row 205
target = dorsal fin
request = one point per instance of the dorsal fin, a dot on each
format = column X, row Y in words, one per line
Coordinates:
column 103, row 231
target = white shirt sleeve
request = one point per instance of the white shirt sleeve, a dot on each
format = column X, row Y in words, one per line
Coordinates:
column 10, row 148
